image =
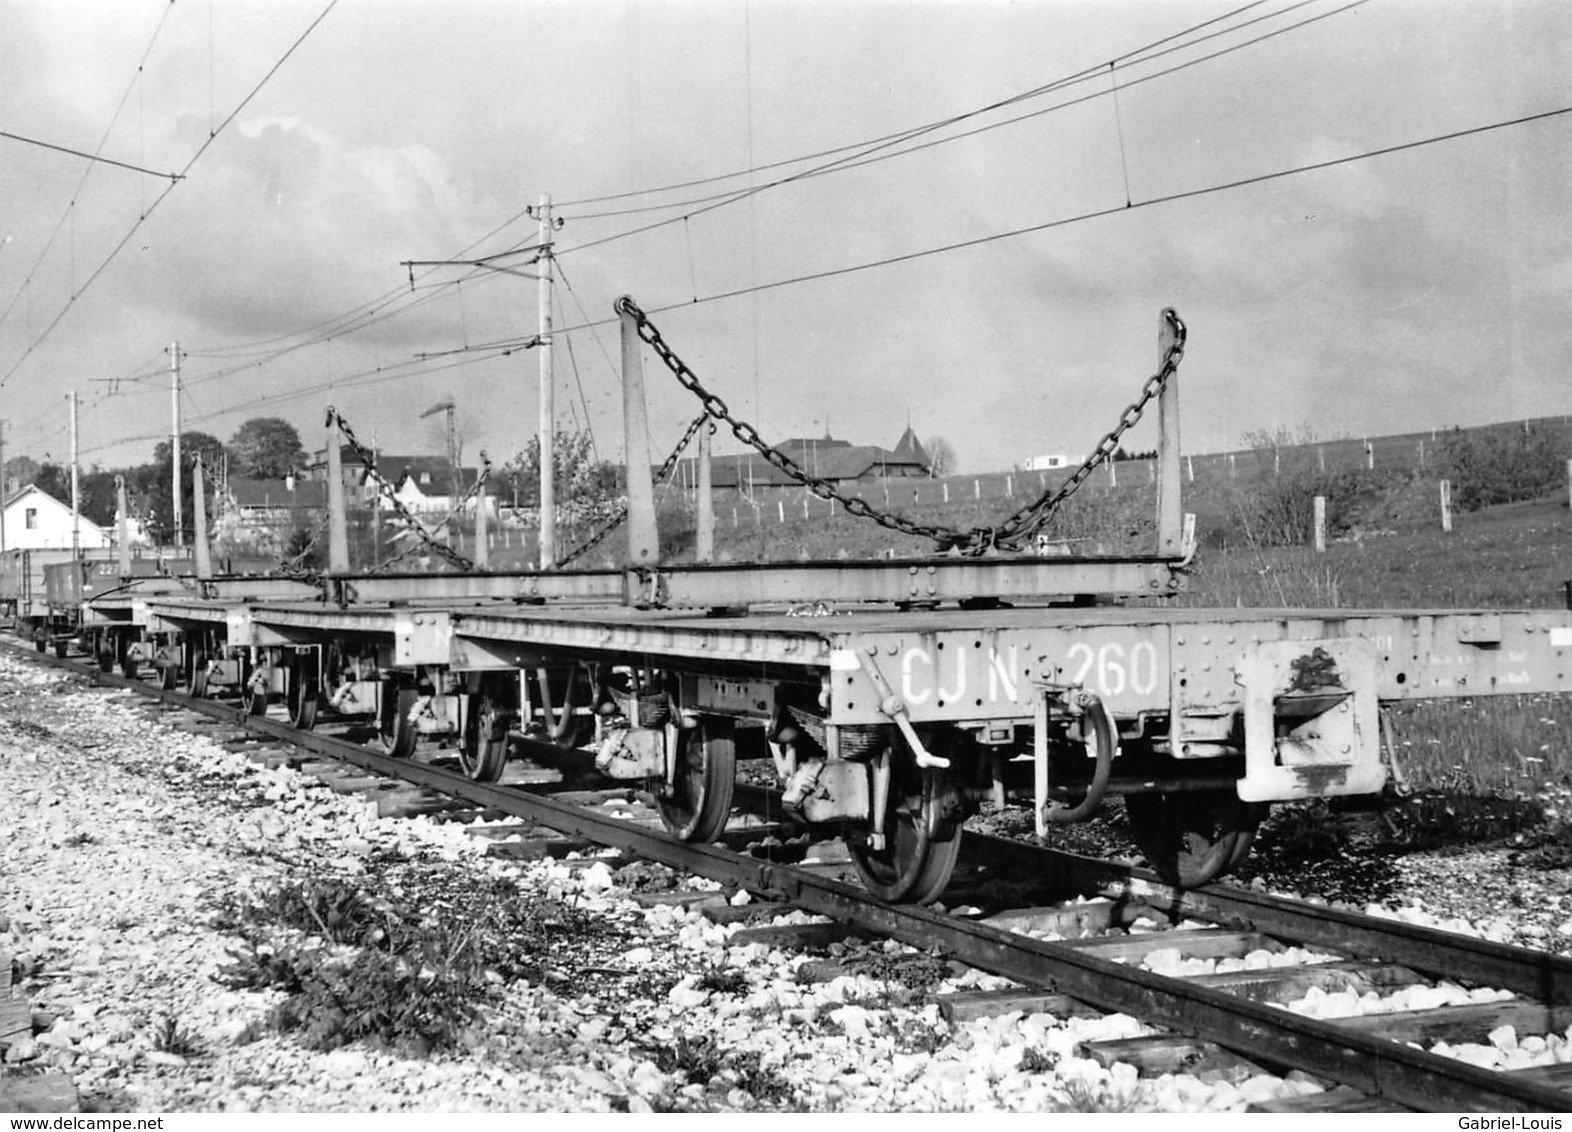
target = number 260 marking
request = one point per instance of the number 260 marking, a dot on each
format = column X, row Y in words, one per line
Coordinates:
column 1111, row 670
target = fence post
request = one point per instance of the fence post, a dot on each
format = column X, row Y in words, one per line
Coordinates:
column 946, row 492
column 1421, row 455
column 1113, row 476
column 1277, row 461
column 1446, row 505
column 1189, row 467
column 1320, row 524
column 780, row 509
column 1320, row 457
column 977, row 489
column 1569, row 483
column 1369, row 456
column 1233, row 469
column 1009, row 487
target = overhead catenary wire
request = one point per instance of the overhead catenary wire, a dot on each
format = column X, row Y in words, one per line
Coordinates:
column 94, row 157
column 1047, row 225
column 86, row 172
column 884, row 149
column 752, row 168
column 486, row 351
column 395, row 302
column 142, row 218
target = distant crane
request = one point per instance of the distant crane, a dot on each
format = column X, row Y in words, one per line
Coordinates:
column 446, row 406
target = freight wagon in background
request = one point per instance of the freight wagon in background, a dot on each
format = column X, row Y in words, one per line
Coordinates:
column 46, row 594
column 893, row 697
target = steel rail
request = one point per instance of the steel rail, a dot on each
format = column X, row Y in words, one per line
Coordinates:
column 1376, row 1066
column 1540, row 975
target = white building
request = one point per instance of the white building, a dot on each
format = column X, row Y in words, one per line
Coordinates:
column 35, row 520
column 1046, row 463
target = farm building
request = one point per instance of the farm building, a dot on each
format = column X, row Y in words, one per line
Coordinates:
column 273, row 502
column 838, row 461
column 427, row 484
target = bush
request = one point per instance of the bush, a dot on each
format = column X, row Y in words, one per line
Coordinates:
column 1500, row 467
column 1280, row 511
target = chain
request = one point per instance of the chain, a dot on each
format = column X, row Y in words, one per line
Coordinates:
column 1010, row 534
column 1025, row 523
column 334, row 417
column 661, row 475
column 749, row 435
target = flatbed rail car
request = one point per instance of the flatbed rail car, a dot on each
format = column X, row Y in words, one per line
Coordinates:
column 898, row 726
column 914, row 692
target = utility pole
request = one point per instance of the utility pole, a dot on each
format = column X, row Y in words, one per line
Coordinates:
column 548, row 409
column 174, row 405
column 76, row 500
column 5, row 485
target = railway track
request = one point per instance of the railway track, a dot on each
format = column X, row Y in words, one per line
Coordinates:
column 1369, row 1062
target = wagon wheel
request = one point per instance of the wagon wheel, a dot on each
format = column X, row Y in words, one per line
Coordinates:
column 921, row 842
column 484, row 751
column 169, row 673
column 302, row 698
column 699, row 800
column 123, row 654
column 196, row 683
column 1192, row 837
column 394, row 726
column 253, row 698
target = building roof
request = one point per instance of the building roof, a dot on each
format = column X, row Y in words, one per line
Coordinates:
column 823, row 457
column 277, row 493
column 909, row 448
column 440, row 478
column 22, row 493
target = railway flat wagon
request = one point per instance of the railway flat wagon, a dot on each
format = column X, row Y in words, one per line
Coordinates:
column 892, row 699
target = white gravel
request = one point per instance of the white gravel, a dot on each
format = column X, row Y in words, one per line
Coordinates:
column 117, row 834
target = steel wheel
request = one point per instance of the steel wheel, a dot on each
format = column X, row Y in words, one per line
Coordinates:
column 394, row 726
column 253, row 700
column 484, row 751
column 1191, row 837
column 303, row 697
column 196, row 684
column 169, row 675
column 699, row 801
column 914, row 864
column 128, row 665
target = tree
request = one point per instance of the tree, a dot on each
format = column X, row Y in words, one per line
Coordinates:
column 153, row 481
column 19, row 472
column 265, row 448
column 584, row 484
column 941, row 456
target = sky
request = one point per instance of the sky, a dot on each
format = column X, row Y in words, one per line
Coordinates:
column 846, row 216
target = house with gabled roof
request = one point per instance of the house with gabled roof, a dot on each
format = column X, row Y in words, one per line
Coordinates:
column 827, row 458
column 36, row 520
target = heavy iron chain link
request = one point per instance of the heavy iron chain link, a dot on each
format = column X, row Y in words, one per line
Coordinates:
column 334, row 417
column 1012, row 534
column 661, row 476
column 1025, row 523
